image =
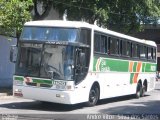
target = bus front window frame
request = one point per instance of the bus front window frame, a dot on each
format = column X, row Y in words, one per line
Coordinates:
column 35, row 33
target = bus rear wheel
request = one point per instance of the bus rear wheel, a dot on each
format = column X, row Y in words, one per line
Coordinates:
column 139, row 90
column 93, row 96
column 143, row 91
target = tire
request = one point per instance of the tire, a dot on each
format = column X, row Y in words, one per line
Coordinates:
column 93, row 96
column 139, row 90
column 44, row 102
column 143, row 91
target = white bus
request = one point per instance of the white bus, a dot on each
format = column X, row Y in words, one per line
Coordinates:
column 72, row 62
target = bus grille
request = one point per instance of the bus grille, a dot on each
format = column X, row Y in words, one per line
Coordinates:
column 38, row 85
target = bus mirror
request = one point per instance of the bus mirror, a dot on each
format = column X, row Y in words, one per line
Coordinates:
column 13, row 53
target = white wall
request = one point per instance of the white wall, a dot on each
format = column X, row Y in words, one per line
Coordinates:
column 6, row 67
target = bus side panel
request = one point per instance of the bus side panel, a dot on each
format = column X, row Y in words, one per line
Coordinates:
column 150, row 78
column 113, row 85
column 119, row 84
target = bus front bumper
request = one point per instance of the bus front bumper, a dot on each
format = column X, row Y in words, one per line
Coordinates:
column 45, row 94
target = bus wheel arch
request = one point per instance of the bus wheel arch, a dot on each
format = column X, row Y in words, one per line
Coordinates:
column 139, row 89
column 94, row 95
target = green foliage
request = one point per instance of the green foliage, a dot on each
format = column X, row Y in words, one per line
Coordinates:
column 88, row 10
column 13, row 14
column 123, row 16
column 120, row 15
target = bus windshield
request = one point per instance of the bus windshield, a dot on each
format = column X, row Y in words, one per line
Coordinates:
column 49, row 61
column 50, row 34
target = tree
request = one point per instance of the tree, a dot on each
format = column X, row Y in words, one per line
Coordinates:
column 13, row 14
column 123, row 16
column 120, row 15
column 87, row 10
column 128, row 16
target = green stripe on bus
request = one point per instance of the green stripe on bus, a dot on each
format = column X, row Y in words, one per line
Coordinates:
column 150, row 67
column 143, row 67
column 135, row 67
column 111, row 65
column 18, row 78
column 35, row 80
column 131, row 78
column 116, row 65
column 41, row 81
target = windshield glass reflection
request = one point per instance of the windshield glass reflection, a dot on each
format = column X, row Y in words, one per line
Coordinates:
column 53, row 61
column 29, row 60
column 50, row 34
column 57, row 62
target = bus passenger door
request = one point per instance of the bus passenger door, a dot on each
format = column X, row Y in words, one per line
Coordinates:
column 81, row 66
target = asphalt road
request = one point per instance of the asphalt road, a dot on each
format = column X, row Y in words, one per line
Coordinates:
column 127, row 107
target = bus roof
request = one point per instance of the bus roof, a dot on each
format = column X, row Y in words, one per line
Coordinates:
column 58, row 23
column 80, row 24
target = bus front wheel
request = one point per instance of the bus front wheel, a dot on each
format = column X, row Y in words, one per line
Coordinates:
column 93, row 96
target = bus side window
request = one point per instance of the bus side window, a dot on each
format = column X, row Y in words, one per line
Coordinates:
column 138, row 50
column 123, row 47
column 85, row 36
column 100, row 43
column 143, row 52
column 96, row 42
column 154, row 54
column 150, row 53
column 103, row 44
column 135, row 50
column 126, row 48
column 113, row 46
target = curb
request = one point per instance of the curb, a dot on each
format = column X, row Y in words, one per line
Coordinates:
column 3, row 94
